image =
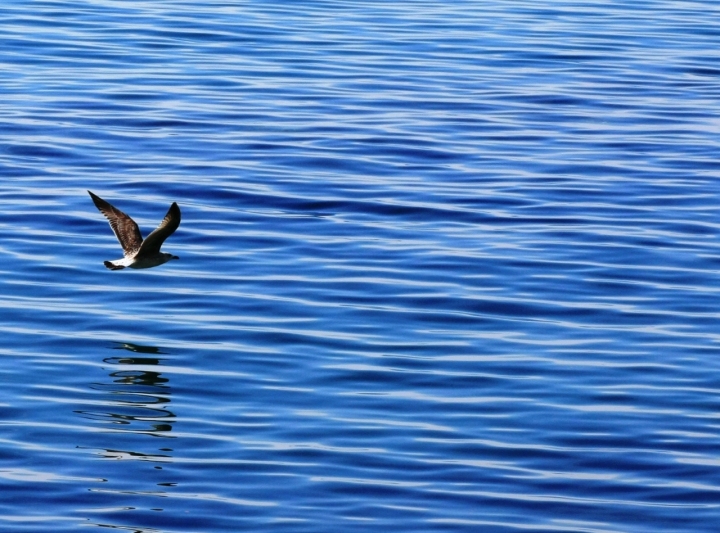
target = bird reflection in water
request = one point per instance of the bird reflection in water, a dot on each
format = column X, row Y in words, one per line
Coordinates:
column 131, row 405
column 138, row 394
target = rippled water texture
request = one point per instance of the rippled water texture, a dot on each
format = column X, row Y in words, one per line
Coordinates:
column 444, row 266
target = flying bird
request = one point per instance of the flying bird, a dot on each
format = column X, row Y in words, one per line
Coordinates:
column 138, row 253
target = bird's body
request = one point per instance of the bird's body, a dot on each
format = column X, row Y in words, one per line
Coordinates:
column 138, row 253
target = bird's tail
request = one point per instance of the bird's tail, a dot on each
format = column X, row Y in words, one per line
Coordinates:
column 113, row 266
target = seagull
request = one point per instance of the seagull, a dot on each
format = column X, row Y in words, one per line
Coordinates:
column 139, row 253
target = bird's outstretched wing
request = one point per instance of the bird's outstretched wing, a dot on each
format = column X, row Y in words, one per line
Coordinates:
column 124, row 227
column 167, row 227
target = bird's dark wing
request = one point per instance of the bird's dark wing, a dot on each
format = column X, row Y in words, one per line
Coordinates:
column 167, row 227
column 124, row 227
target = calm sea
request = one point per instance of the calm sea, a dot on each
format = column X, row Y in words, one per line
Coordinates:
column 444, row 266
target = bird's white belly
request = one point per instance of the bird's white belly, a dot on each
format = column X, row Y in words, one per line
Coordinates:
column 147, row 262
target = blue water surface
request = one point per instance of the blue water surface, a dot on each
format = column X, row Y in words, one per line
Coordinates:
column 444, row 266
